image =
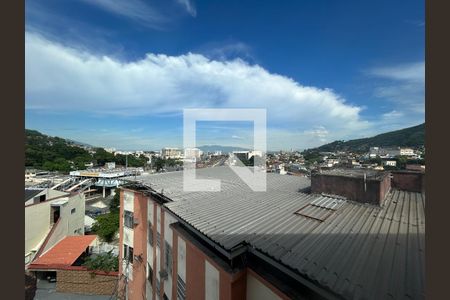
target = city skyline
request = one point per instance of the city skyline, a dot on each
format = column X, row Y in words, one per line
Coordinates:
column 118, row 75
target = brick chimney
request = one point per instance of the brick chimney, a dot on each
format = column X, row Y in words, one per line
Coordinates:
column 361, row 185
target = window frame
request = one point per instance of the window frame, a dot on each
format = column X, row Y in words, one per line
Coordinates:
column 128, row 253
column 128, row 219
column 150, row 235
column 168, row 261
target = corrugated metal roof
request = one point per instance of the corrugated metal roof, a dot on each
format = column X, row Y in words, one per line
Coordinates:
column 171, row 183
column 360, row 251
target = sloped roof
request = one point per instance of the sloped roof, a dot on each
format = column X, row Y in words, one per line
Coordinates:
column 357, row 251
column 63, row 254
column 30, row 193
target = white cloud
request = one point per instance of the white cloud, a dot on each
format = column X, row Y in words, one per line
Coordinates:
column 237, row 137
column 404, row 87
column 413, row 72
column 319, row 132
column 136, row 10
column 226, row 50
column 189, row 6
column 59, row 78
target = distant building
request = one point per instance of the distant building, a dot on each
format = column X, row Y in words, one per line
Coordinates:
column 192, row 153
column 110, row 165
column 390, row 152
column 246, row 155
column 390, row 163
column 406, row 152
column 173, row 153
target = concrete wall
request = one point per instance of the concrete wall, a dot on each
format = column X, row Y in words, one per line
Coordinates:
column 74, row 221
column 84, row 282
column 353, row 188
column 409, row 181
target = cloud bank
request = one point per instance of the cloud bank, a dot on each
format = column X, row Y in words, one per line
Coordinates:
column 59, row 78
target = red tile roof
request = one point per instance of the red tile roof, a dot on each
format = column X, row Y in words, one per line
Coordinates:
column 63, row 254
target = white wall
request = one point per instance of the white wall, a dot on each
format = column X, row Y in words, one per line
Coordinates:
column 256, row 290
column 150, row 216
column 37, row 225
column 74, row 221
column 168, row 236
column 181, row 259
column 211, row 282
column 128, row 201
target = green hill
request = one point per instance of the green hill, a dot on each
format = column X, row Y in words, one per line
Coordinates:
column 57, row 154
column 408, row 137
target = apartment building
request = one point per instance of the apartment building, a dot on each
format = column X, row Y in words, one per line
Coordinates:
column 173, row 153
column 192, row 153
column 278, row 244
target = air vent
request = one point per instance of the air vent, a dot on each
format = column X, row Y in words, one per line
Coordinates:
column 321, row 208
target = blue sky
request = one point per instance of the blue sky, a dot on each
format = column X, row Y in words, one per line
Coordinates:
column 118, row 73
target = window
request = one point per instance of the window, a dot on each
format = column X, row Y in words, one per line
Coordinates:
column 128, row 219
column 158, row 239
column 150, row 234
column 181, row 289
column 158, row 288
column 128, row 253
column 150, row 274
column 72, row 211
column 168, row 258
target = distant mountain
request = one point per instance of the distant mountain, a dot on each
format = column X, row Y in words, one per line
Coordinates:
column 408, row 137
column 224, row 149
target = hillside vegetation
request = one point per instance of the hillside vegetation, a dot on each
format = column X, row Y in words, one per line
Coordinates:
column 408, row 137
column 57, row 154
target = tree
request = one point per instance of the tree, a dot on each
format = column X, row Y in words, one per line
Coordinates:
column 106, row 226
column 401, row 162
column 115, row 202
column 159, row 163
column 102, row 262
